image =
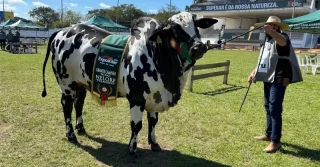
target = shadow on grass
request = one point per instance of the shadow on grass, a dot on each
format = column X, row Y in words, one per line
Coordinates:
column 116, row 154
column 222, row 91
column 314, row 155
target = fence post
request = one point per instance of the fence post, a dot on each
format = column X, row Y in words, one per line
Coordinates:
column 190, row 80
column 226, row 68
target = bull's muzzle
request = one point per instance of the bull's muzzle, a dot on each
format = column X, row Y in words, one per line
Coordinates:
column 197, row 50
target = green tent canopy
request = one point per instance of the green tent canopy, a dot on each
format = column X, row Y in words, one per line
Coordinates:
column 8, row 22
column 309, row 23
column 106, row 23
column 26, row 25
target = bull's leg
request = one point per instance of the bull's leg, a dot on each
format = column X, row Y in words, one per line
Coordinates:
column 152, row 122
column 136, row 113
column 67, row 105
column 78, row 105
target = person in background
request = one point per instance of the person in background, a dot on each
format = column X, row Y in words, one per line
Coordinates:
column 277, row 68
column 3, row 37
column 10, row 40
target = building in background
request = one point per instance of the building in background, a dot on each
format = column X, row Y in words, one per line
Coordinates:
column 4, row 16
column 236, row 16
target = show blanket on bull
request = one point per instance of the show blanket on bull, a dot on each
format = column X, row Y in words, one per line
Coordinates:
column 106, row 69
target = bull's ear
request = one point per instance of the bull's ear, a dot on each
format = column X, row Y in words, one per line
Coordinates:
column 205, row 22
column 162, row 32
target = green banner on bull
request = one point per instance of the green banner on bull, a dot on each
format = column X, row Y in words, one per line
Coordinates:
column 106, row 68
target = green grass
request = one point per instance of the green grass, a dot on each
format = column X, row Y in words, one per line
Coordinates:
column 204, row 129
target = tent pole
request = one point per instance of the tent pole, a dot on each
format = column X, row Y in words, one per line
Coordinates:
column 294, row 4
column 311, row 43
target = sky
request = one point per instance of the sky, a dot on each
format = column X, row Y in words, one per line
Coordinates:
column 22, row 7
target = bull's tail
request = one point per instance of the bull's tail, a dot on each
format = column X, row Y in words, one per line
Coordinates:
column 44, row 92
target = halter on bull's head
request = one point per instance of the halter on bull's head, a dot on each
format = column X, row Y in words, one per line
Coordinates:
column 183, row 27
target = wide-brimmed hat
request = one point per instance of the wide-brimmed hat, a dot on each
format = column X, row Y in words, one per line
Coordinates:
column 274, row 20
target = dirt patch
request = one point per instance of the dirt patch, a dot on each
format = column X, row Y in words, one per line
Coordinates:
column 4, row 131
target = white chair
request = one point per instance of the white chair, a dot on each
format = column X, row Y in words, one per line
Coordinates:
column 29, row 48
column 309, row 62
column 302, row 63
column 316, row 65
column 21, row 50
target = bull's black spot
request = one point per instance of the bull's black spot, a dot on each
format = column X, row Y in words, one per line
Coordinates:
column 153, row 74
column 53, row 50
column 64, row 33
column 146, row 68
column 88, row 60
column 78, row 40
column 70, row 34
column 61, row 46
column 59, row 72
column 127, row 60
column 157, row 97
column 68, row 92
column 74, row 86
column 130, row 67
column 67, row 53
column 53, row 54
column 64, row 70
column 57, row 42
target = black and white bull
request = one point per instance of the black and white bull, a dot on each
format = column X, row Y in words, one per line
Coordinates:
column 152, row 74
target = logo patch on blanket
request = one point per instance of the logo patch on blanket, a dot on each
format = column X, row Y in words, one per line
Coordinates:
column 106, row 69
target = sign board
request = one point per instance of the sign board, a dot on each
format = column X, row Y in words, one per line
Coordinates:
column 8, row 15
column 247, row 6
column 229, row 35
column 2, row 16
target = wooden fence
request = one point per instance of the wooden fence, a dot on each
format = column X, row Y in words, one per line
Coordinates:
column 241, row 47
column 193, row 77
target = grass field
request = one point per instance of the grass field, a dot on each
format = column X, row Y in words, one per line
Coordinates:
column 204, row 129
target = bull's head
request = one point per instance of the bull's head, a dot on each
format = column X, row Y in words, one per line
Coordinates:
column 184, row 29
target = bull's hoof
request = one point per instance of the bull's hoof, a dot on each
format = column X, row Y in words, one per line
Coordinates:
column 72, row 138
column 80, row 129
column 82, row 132
column 155, row 147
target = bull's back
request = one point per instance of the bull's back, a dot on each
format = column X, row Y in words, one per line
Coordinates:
column 75, row 48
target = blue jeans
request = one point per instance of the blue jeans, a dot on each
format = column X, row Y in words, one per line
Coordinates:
column 273, row 99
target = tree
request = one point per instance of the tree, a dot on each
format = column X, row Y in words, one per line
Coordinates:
column 96, row 12
column 72, row 17
column 164, row 13
column 44, row 15
column 123, row 14
column 187, row 8
column 199, row 1
column 126, row 13
column 60, row 24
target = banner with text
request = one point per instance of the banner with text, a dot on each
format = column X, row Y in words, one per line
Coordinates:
column 246, row 6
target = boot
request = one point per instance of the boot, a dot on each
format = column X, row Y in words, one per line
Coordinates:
column 272, row 147
column 263, row 138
